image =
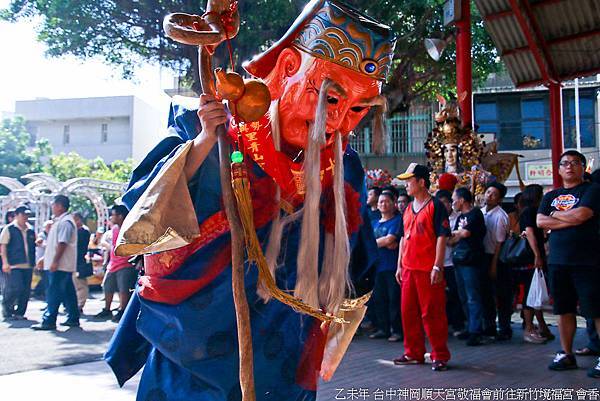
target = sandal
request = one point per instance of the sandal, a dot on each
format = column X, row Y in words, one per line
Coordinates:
column 406, row 360
column 585, row 351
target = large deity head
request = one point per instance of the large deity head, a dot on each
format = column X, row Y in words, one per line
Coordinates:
column 329, row 40
column 451, row 158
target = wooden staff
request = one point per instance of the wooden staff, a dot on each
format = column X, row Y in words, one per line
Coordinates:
column 221, row 22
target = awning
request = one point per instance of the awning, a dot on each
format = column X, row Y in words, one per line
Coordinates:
column 546, row 40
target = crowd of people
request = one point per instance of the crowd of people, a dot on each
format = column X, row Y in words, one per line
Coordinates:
column 63, row 255
column 442, row 271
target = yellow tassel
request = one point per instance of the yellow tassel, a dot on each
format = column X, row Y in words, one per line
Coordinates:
column 241, row 190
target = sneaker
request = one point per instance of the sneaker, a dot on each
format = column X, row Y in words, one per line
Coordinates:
column 474, row 340
column 70, row 324
column 104, row 314
column 378, row 335
column 43, row 327
column 563, row 361
column 117, row 317
column 439, row 366
column 19, row 317
column 394, row 338
column 406, row 360
column 594, row 372
column 533, row 338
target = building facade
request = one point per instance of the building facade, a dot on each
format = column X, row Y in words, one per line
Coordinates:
column 113, row 128
column 519, row 121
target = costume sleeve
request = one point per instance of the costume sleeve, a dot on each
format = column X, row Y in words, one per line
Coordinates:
column 545, row 207
column 591, row 198
column 183, row 125
column 441, row 224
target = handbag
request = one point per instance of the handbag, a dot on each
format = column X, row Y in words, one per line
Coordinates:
column 516, row 251
column 463, row 256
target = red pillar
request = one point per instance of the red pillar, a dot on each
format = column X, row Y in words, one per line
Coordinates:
column 464, row 80
column 556, row 130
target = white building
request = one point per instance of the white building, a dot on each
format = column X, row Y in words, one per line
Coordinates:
column 113, row 128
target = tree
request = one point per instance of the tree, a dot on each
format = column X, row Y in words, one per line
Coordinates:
column 72, row 165
column 123, row 32
column 15, row 157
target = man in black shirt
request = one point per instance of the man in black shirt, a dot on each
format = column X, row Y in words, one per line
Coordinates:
column 571, row 214
column 468, row 259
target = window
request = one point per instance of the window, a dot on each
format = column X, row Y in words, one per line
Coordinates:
column 66, row 135
column 519, row 121
column 586, row 119
column 486, row 118
column 104, row 133
column 533, row 123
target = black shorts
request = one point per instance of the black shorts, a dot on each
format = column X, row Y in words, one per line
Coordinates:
column 570, row 284
column 122, row 280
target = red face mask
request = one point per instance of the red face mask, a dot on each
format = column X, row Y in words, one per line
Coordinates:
column 298, row 103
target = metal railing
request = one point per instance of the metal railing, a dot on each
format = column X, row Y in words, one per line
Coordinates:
column 406, row 133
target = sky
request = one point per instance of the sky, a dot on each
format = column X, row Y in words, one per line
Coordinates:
column 26, row 73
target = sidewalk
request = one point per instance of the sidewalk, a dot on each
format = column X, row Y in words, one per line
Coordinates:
column 23, row 349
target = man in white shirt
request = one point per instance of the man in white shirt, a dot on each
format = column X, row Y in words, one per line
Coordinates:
column 60, row 259
column 496, row 282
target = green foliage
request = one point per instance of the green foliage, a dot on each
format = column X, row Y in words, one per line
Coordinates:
column 15, row 158
column 72, row 165
column 125, row 32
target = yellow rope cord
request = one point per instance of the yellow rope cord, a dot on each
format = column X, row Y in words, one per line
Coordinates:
column 241, row 189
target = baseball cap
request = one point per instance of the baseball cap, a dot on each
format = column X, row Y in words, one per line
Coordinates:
column 22, row 209
column 415, row 170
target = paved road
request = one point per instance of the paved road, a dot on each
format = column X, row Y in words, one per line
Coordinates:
column 515, row 364
column 22, row 349
column 366, row 373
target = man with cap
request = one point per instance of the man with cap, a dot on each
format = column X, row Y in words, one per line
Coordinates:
column 307, row 189
column 17, row 241
column 421, row 272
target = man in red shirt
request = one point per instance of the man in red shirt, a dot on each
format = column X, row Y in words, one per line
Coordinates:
column 421, row 274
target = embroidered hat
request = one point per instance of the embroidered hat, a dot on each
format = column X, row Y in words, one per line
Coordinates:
column 336, row 32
